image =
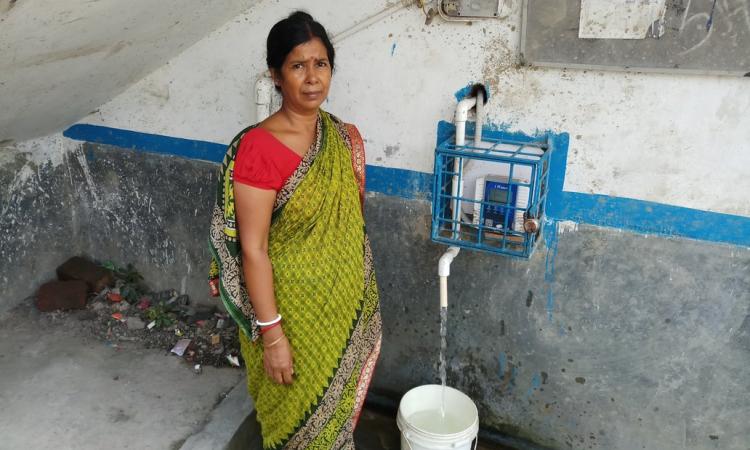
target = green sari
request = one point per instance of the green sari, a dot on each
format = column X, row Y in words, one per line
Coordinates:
column 324, row 286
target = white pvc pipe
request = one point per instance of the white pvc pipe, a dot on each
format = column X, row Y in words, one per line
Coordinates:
column 460, row 118
column 444, row 265
column 444, row 270
column 444, row 292
column 479, row 118
column 263, row 93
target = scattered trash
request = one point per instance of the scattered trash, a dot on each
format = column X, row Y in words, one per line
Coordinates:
column 197, row 369
column 235, row 361
column 127, row 311
column 180, row 347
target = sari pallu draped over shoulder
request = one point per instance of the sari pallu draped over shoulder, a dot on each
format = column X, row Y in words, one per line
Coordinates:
column 324, row 286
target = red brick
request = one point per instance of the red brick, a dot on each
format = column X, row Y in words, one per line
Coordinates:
column 77, row 268
column 56, row 295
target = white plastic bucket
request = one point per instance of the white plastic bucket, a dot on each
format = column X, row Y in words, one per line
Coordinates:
column 424, row 400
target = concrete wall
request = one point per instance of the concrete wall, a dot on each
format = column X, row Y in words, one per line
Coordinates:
column 107, row 204
column 617, row 337
column 605, row 339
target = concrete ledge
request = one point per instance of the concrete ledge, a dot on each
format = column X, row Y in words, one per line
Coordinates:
column 230, row 425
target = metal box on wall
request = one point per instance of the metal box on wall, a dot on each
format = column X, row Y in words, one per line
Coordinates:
column 471, row 8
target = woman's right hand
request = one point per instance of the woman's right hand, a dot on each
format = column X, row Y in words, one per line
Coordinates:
column 277, row 356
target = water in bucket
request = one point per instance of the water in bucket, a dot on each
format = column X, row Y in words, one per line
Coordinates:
column 437, row 421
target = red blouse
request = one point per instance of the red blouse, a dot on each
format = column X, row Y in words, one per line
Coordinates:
column 263, row 162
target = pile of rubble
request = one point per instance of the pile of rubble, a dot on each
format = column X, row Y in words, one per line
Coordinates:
column 120, row 308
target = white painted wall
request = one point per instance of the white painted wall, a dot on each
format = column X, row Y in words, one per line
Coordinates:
column 680, row 140
column 59, row 60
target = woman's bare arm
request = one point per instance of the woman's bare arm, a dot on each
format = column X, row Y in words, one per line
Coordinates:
column 254, row 207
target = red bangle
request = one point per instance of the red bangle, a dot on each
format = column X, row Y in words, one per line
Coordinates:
column 213, row 286
column 264, row 329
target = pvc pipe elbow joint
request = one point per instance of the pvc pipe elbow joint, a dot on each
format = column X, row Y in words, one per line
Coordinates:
column 463, row 107
column 444, row 265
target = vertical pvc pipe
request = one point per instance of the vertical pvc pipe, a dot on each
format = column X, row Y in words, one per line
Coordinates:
column 462, row 114
column 480, row 118
column 443, row 292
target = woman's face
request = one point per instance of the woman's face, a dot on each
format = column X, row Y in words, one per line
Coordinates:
column 305, row 76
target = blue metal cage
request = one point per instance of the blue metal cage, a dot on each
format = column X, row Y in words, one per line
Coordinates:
column 490, row 196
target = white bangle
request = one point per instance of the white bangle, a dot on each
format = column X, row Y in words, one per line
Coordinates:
column 265, row 324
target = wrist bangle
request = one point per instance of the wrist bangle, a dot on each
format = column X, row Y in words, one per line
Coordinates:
column 269, row 327
column 265, row 324
column 274, row 342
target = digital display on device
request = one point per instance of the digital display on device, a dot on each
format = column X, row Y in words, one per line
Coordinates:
column 498, row 196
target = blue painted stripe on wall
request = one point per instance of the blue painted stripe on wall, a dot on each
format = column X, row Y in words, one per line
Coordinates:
column 616, row 212
column 151, row 143
column 399, row 182
column 383, row 180
column 654, row 218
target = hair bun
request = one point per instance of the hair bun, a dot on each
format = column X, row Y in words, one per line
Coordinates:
column 301, row 16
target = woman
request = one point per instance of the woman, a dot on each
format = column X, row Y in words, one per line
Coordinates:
column 291, row 254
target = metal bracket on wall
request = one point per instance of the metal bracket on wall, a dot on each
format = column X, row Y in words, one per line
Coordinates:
column 468, row 10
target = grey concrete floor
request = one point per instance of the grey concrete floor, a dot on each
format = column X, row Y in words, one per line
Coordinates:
column 60, row 389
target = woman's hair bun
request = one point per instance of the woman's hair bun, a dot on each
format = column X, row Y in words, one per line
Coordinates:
column 301, row 16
